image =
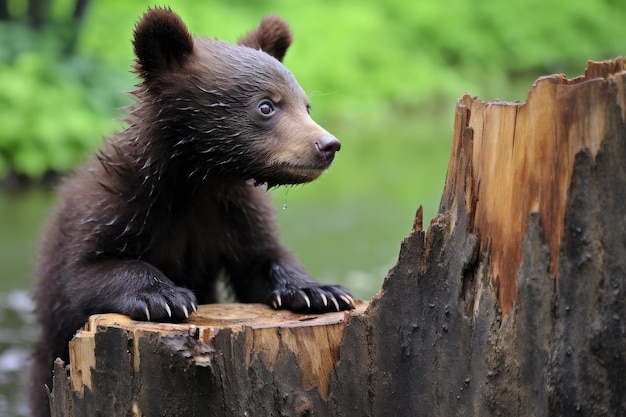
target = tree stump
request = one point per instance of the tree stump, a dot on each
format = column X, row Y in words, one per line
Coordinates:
column 229, row 359
column 512, row 302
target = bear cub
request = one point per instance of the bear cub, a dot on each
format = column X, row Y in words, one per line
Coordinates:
column 179, row 197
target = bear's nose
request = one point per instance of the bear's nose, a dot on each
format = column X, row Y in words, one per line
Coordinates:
column 328, row 145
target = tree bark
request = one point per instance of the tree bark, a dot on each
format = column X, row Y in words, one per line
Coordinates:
column 512, row 302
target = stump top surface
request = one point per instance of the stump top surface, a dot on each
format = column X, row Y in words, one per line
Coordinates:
column 232, row 316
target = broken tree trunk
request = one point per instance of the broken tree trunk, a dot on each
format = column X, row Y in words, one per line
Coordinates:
column 512, row 302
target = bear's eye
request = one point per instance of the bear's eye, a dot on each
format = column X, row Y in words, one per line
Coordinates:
column 266, row 108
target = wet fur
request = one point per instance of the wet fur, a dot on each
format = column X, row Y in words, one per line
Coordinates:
column 174, row 201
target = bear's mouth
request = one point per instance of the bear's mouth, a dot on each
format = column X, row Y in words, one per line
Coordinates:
column 306, row 173
column 287, row 174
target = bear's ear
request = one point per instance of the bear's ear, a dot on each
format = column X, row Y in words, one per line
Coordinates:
column 273, row 36
column 161, row 41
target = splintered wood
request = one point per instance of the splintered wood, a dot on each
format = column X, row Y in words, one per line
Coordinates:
column 522, row 157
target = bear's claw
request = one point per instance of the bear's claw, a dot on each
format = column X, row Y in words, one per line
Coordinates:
column 277, row 302
column 324, row 299
column 347, row 299
column 307, row 300
column 335, row 303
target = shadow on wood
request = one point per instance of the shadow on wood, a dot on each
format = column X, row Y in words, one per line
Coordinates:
column 512, row 302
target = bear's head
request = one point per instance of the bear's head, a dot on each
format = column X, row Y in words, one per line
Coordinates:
column 224, row 110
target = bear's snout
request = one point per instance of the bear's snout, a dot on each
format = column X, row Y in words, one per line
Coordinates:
column 328, row 145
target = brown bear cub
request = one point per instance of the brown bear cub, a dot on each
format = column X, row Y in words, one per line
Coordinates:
column 179, row 197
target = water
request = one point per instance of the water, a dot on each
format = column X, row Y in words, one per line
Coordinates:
column 21, row 217
column 17, row 333
column 285, row 201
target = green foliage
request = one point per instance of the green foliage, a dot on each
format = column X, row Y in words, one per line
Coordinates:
column 383, row 76
column 358, row 55
column 52, row 108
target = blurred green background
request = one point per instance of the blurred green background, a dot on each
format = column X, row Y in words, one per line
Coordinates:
column 384, row 77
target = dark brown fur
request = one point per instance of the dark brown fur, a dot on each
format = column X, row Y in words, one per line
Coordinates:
column 167, row 205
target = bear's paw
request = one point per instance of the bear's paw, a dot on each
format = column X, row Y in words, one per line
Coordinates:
column 312, row 299
column 160, row 301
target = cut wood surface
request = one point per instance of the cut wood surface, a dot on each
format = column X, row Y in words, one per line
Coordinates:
column 512, row 302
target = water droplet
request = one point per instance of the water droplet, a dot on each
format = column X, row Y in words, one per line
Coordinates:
column 285, row 201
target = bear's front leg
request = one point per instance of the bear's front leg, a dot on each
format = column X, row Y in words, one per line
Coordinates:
column 283, row 283
column 134, row 288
